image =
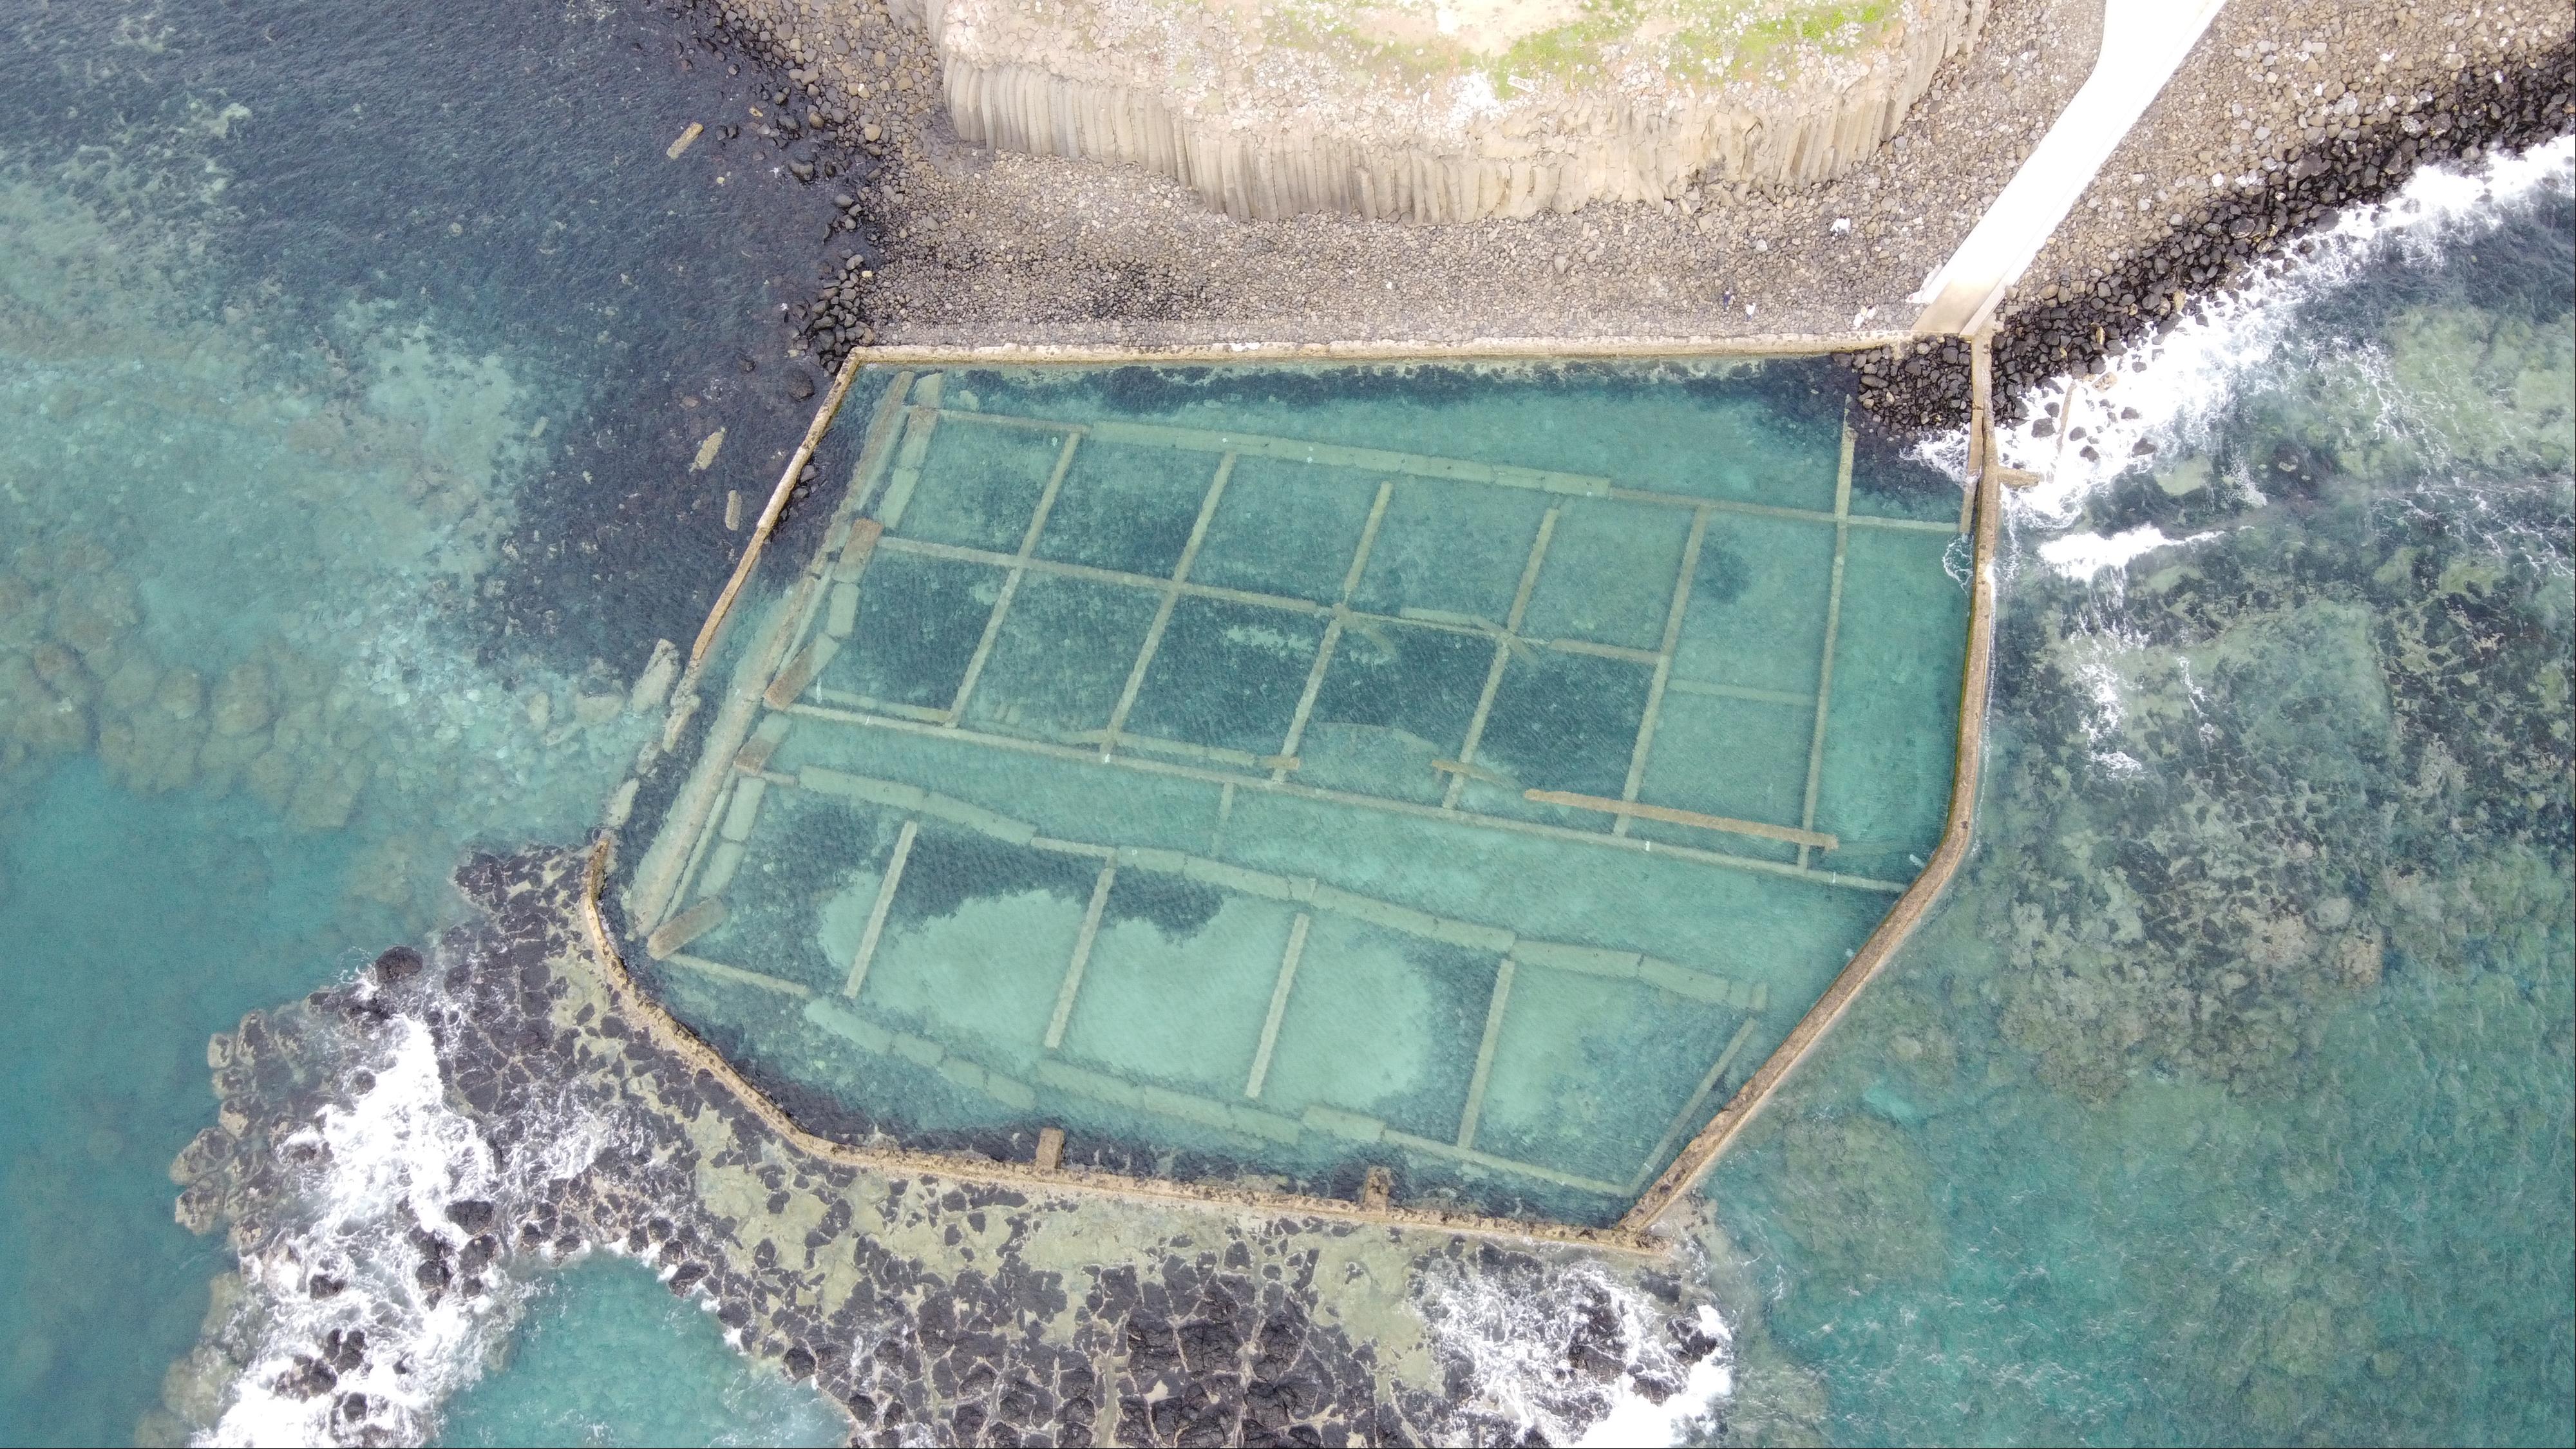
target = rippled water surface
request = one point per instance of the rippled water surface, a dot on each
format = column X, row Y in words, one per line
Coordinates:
column 318, row 327
column 608, row 1357
column 351, row 368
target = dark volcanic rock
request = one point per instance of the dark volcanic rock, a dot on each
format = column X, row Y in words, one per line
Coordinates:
column 398, row 965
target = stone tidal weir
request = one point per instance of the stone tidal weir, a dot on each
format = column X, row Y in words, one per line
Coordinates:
column 1426, row 793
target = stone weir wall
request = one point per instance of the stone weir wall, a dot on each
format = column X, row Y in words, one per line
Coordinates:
column 1264, row 129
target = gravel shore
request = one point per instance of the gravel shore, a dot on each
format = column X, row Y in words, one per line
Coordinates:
column 968, row 246
column 2280, row 115
column 989, row 247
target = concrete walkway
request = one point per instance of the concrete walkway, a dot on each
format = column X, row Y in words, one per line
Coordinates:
column 2143, row 43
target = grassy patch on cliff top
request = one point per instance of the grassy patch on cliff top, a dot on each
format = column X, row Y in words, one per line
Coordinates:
column 1709, row 41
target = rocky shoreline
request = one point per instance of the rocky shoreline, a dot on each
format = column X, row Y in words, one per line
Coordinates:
column 972, row 246
column 2083, row 321
column 980, row 1314
column 969, row 1313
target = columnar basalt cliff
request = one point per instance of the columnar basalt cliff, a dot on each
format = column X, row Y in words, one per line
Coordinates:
column 981, row 244
column 1445, row 114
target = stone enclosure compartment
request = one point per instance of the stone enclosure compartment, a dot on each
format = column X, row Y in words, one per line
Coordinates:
column 1279, row 774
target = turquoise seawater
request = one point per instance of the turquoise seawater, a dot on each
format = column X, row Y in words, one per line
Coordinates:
column 300, row 400
column 608, row 1356
column 2230, row 1096
column 350, row 371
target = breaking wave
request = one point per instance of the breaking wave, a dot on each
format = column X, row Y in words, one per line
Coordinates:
column 388, row 1292
column 2171, row 395
column 1579, row 1359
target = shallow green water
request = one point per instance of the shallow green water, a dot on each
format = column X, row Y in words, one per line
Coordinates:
column 608, row 1357
column 1275, row 723
column 267, row 427
column 237, row 763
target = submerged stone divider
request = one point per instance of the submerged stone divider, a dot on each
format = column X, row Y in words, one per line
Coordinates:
column 1684, row 981
column 658, row 875
column 1638, row 810
column 750, row 560
column 1345, row 797
column 1689, row 1113
column 1383, row 461
column 732, row 746
column 1833, row 630
column 1238, row 1118
column 1280, row 987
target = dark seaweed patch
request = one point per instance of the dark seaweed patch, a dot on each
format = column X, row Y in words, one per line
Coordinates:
column 1568, row 722
column 1127, row 508
column 1883, row 466
column 641, row 303
column 948, row 869
column 1797, row 390
column 1178, row 908
column 803, row 851
column 1209, row 686
column 1427, row 685
column 1722, row 576
column 919, row 623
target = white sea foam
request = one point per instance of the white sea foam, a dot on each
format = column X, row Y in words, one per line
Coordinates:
column 2087, row 555
column 2177, row 389
column 2178, row 386
column 1635, row 1419
column 381, row 1168
column 1515, row 1341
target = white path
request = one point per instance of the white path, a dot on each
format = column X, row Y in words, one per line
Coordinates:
column 2143, row 43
